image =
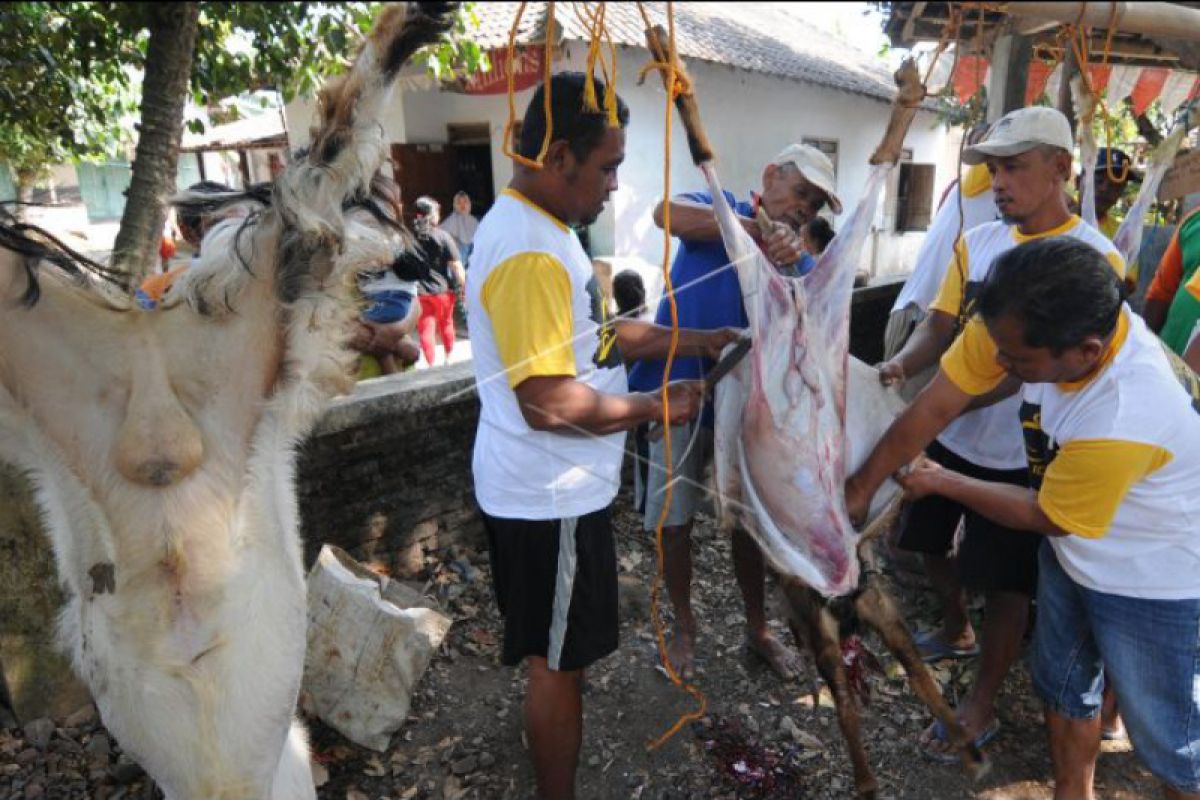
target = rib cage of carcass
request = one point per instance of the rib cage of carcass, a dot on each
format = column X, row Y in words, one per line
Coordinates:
column 800, row 411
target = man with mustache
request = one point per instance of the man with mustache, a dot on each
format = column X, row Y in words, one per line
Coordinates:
column 1028, row 153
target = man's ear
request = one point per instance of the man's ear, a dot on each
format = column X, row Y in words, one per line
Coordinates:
column 559, row 156
column 768, row 176
column 1092, row 349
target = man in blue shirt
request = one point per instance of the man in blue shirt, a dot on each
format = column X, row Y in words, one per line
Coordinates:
column 797, row 184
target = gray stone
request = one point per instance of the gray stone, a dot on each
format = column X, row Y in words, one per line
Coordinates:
column 486, row 760
column 38, row 732
column 82, row 718
column 98, row 748
column 465, row 765
column 34, row 791
column 125, row 771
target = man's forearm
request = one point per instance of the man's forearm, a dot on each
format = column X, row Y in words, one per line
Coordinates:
column 928, row 342
column 569, row 407
column 640, row 341
column 695, row 223
column 1013, row 507
column 928, row 415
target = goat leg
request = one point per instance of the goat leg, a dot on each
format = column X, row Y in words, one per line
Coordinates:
column 808, row 613
column 875, row 608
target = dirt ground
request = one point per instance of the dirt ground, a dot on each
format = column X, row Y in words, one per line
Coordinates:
column 464, row 736
column 760, row 738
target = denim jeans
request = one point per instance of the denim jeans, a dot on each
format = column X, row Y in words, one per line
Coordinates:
column 1148, row 649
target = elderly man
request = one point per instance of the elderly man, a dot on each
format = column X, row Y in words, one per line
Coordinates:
column 1113, row 436
column 554, row 411
column 1028, row 153
column 796, row 185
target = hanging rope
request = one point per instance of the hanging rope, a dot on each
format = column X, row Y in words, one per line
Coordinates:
column 677, row 84
column 507, row 145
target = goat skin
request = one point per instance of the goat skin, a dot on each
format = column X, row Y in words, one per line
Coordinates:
column 786, row 426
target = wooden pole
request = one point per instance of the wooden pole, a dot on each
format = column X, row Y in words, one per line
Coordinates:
column 1070, row 67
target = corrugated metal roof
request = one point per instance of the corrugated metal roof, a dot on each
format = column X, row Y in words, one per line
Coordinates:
column 750, row 36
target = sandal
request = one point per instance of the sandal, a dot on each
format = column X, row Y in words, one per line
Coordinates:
column 932, row 649
column 939, row 736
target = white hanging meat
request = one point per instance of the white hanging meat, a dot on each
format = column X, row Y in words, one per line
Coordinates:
column 788, row 425
column 1084, row 103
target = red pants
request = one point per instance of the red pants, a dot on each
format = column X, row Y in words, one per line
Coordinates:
column 437, row 312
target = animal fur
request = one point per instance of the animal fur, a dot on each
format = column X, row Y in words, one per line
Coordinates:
column 161, row 447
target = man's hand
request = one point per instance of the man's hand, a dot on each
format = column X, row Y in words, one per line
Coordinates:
column 684, row 399
column 858, row 501
column 921, row 479
column 892, row 374
column 718, row 340
column 782, row 245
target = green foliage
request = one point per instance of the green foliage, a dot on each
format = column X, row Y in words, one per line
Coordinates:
column 70, row 71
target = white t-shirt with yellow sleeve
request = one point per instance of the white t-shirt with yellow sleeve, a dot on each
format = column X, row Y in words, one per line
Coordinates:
column 533, row 308
column 1115, row 460
column 990, row 437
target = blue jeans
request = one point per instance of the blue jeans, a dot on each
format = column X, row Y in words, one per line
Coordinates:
column 1148, row 649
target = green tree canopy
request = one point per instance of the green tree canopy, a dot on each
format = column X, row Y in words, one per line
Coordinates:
column 70, row 71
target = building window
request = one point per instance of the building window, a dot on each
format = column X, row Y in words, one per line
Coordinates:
column 914, row 197
column 827, row 146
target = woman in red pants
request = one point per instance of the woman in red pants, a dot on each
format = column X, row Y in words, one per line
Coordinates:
column 439, row 273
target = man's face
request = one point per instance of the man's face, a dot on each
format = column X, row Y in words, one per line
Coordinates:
column 1040, row 364
column 1108, row 192
column 788, row 197
column 1025, row 184
column 462, row 204
column 588, row 184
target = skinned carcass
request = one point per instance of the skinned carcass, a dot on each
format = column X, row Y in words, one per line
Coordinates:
column 790, row 420
column 161, row 447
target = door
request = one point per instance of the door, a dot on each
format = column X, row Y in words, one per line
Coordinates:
column 425, row 169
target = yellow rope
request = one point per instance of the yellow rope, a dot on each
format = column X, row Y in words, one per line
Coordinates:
column 507, row 146
column 677, row 85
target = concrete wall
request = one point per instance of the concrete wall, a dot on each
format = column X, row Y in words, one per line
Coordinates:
column 749, row 117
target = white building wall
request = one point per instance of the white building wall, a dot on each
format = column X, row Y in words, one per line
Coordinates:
column 749, row 117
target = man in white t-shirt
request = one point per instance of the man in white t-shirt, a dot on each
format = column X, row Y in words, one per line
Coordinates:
column 554, row 412
column 1112, row 428
column 1028, row 153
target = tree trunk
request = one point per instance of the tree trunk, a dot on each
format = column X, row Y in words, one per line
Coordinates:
column 164, row 95
column 24, row 186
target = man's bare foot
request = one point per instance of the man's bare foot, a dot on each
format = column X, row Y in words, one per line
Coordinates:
column 779, row 657
column 682, row 653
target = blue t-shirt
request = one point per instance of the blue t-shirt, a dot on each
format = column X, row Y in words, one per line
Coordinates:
column 707, row 295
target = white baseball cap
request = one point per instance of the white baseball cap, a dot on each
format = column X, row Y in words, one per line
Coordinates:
column 1022, row 130
column 816, row 168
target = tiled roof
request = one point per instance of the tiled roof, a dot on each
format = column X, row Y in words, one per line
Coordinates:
column 752, row 36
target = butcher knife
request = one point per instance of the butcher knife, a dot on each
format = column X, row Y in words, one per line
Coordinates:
column 722, row 368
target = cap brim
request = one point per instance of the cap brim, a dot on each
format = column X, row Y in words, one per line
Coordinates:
column 1132, row 175
column 977, row 154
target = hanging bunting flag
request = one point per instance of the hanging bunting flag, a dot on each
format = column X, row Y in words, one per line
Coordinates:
column 968, row 76
column 1148, row 87
column 1120, row 84
column 1176, row 89
column 1052, row 83
column 1039, row 76
column 1099, row 75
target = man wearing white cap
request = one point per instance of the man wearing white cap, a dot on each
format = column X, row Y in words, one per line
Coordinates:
column 796, row 185
column 1028, row 153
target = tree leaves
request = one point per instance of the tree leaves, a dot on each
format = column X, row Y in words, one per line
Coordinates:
column 70, row 72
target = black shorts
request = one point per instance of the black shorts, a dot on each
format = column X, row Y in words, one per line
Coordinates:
column 991, row 557
column 556, row 586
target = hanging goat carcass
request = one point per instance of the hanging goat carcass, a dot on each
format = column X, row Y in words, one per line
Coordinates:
column 161, row 446
column 790, row 420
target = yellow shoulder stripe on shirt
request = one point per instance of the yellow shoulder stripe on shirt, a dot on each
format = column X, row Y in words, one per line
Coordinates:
column 1087, row 481
column 1193, row 285
column 528, row 299
column 977, row 181
column 950, row 294
column 970, row 363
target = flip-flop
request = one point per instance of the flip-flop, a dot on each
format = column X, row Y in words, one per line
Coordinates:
column 952, row 757
column 1120, row 735
column 934, row 649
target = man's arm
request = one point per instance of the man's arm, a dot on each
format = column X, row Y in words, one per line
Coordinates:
column 1013, row 507
column 561, row 404
column 928, row 343
column 935, row 407
column 641, row 341
column 696, row 222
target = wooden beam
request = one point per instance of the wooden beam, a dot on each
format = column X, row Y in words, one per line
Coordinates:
column 1159, row 19
column 1010, row 73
